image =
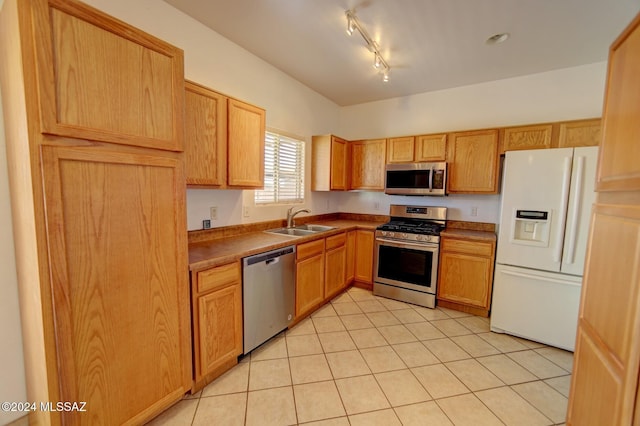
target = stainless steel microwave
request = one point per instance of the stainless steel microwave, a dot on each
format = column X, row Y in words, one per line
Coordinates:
column 416, row 179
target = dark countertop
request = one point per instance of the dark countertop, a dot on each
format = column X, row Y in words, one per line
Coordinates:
column 207, row 254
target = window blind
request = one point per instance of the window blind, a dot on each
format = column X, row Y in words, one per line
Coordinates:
column 283, row 170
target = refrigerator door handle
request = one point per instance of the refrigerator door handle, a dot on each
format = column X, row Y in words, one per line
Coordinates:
column 577, row 207
column 566, row 181
column 540, row 278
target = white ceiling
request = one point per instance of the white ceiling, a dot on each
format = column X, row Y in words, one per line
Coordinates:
column 429, row 44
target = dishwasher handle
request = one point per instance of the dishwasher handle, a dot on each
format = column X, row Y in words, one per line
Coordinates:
column 268, row 257
column 270, row 261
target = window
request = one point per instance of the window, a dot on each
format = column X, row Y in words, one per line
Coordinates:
column 283, row 170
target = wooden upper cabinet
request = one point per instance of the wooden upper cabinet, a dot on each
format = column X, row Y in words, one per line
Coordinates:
column 329, row 163
column 339, row 164
column 400, row 150
column 580, row 133
column 205, row 139
column 431, row 148
column 473, row 162
column 417, row 149
column 368, row 164
column 618, row 167
column 101, row 79
column 246, row 132
column 527, row 137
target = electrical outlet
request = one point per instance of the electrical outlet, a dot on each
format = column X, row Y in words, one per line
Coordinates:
column 206, row 224
column 245, row 211
column 474, row 211
column 214, row 213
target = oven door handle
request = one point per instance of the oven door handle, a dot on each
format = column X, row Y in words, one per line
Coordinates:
column 403, row 244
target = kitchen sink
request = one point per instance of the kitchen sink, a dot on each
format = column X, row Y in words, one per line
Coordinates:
column 292, row 232
column 314, row 228
column 301, row 230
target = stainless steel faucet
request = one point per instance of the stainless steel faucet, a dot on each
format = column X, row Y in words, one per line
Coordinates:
column 291, row 214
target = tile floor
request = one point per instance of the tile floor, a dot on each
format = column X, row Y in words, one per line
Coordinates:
column 364, row 360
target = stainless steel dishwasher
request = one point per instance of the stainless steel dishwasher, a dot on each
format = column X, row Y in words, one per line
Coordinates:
column 268, row 295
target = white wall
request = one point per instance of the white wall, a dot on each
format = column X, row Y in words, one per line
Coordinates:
column 566, row 94
column 214, row 61
column 12, row 379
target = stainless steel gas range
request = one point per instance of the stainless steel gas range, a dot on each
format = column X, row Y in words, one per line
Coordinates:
column 406, row 254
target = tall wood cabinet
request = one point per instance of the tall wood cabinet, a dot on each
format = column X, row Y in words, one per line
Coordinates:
column 93, row 119
column 604, row 387
column 224, row 140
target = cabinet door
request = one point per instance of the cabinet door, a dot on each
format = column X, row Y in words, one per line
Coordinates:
column 338, row 164
column 117, row 244
column 364, row 256
column 309, row 284
column 431, row 148
column 527, row 137
column 220, row 327
column 473, row 162
column 368, row 161
column 351, row 257
column 465, row 279
column 400, row 150
column 205, row 141
column 580, row 133
column 335, row 271
column 604, row 386
column 246, row 129
column 101, row 79
column 618, row 166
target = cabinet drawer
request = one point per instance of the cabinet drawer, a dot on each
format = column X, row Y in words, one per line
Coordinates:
column 478, row 248
column 218, row 277
column 336, row 240
column 309, row 249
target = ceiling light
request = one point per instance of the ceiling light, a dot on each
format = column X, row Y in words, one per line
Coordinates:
column 351, row 26
column 497, row 38
column 379, row 62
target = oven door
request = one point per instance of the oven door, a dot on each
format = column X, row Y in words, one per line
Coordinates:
column 406, row 264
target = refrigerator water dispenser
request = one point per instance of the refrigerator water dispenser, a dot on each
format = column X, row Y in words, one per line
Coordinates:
column 531, row 227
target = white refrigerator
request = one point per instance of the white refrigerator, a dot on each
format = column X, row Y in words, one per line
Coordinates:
column 544, row 225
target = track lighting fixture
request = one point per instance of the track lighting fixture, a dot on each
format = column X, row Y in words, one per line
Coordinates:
column 379, row 62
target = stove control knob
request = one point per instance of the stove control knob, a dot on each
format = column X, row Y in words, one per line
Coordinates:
column 386, row 233
column 404, row 235
column 422, row 237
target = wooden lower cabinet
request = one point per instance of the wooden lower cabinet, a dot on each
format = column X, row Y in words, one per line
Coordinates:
column 465, row 275
column 309, row 276
column 217, row 321
column 351, row 257
column 335, row 265
column 364, row 258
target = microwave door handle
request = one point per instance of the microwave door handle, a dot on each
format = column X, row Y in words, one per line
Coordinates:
column 431, row 179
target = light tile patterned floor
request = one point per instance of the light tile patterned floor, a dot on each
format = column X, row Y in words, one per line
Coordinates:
column 365, row 360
